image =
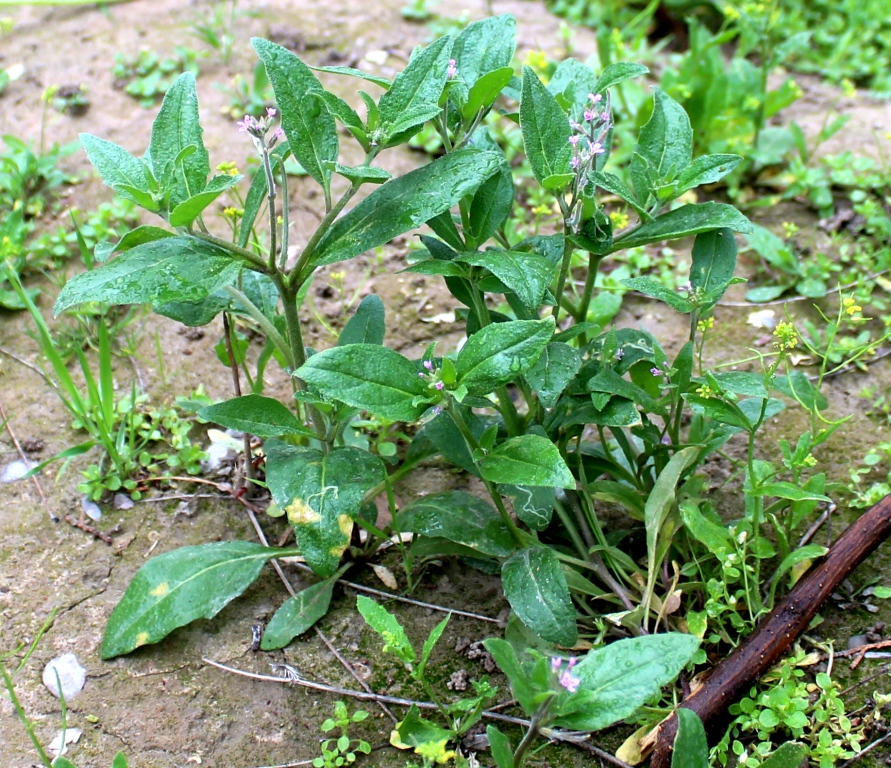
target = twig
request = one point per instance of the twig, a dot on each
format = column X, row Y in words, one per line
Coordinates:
column 863, row 751
column 812, row 531
column 573, row 737
column 24, row 362
column 87, row 528
column 53, row 516
column 882, row 671
column 321, row 635
column 179, row 497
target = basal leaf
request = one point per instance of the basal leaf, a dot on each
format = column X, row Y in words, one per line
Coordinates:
column 404, row 203
column 256, row 415
column 297, row 615
column 171, row 269
column 367, row 376
column 460, row 517
column 536, row 589
column 321, row 494
column 175, row 588
column 501, row 352
column 622, row 676
column 527, row 460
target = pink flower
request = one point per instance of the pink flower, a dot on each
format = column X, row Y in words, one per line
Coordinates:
column 569, row 681
column 439, row 385
column 428, row 364
column 452, row 71
column 556, row 663
column 655, row 371
column 595, row 98
column 271, row 112
column 589, row 115
column 574, row 139
column 597, row 148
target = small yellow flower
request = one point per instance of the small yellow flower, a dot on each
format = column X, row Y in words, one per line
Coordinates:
column 751, row 103
column 790, row 229
column 730, row 12
column 233, row 213
column 705, row 325
column 705, row 391
column 848, row 87
column 541, row 210
column 435, row 751
column 850, row 306
column 228, row 168
column 620, row 219
column 786, row 337
column 538, row 61
column 338, row 276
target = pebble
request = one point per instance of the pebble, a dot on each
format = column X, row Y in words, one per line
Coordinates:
column 91, row 509
column 72, row 736
column 72, row 676
column 856, row 641
column 15, row 470
column 122, row 501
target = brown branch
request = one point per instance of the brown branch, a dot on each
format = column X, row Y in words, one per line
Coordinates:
column 764, row 647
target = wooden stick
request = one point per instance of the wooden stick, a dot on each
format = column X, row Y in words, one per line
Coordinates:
column 782, row 626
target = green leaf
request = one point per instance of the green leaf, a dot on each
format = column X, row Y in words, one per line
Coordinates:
column 306, row 121
column 138, row 236
column 370, row 377
column 256, row 196
column 405, row 203
column 526, row 274
column 799, row 387
column 430, row 644
column 664, row 146
column 175, row 588
column 656, row 290
column 501, row 352
column 257, row 415
column 321, row 494
column 707, row 169
column 742, row 383
column 485, row 90
column 485, row 46
column 506, row 658
column 553, row 370
column 416, row 731
column 502, row 750
column 119, row 169
column 491, row 204
column 545, row 128
column 789, row 755
column 383, row 82
column 367, row 326
column 120, row 761
column 572, row 80
column 172, row 269
column 618, row 72
column 415, row 90
column 785, row 490
column 690, row 743
column 364, row 174
column 188, row 210
column 622, row 676
column 618, row 412
column 459, row 517
column 527, row 460
column 715, row 537
column 535, row 587
column 616, row 186
column 176, row 128
column 388, row 627
column 298, row 614
column 714, row 260
column 682, row 222
column 534, row 505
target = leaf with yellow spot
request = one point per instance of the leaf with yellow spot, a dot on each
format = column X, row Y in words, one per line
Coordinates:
column 175, row 588
column 322, row 494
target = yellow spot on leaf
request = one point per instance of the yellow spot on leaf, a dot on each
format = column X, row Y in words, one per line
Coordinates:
column 300, row 513
column 141, row 639
column 162, row 589
column 345, row 523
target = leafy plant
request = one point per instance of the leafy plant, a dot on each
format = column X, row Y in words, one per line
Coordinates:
column 343, row 750
column 249, row 96
column 146, row 76
column 217, row 29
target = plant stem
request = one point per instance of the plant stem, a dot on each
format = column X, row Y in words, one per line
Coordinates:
column 236, row 385
column 270, row 205
column 534, row 725
column 286, row 222
column 25, row 720
column 564, row 267
column 267, row 327
column 244, row 254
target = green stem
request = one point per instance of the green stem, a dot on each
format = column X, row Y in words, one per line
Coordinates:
column 244, row 254
column 266, row 326
column 535, row 724
column 29, row 726
column 270, row 205
column 286, row 222
column 571, row 529
column 564, row 269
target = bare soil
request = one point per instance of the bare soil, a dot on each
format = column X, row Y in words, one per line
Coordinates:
column 163, row 705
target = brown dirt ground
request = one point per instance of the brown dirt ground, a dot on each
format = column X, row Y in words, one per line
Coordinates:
column 161, row 704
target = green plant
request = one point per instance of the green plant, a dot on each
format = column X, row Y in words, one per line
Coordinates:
column 341, row 750
column 147, row 76
column 217, row 29
column 27, row 177
column 249, row 96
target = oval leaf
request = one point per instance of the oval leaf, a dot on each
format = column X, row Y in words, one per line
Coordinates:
column 527, row 460
column 257, row 415
column 297, row 615
column 172, row 589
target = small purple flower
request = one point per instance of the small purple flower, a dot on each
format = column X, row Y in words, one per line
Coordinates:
column 439, row 385
column 569, row 681
column 595, row 98
column 574, row 163
column 452, row 71
column 597, row 148
column 556, row 663
column 574, row 139
column 666, row 440
column 428, row 364
column 420, row 375
column 655, row 371
column 271, row 111
column 604, row 117
column 590, row 114
column 686, row 287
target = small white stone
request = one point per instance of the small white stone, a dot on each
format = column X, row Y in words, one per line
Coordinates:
column 91, row 508
column 71, row 674
column 377, row 57
column 122, row 501
column 15, row 470
column 72, row 736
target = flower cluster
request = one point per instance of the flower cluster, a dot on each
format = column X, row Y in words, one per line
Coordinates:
column 259, row 130
column 587, row 137
column 786, row 337
column 431, row 376
column 565, row 677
